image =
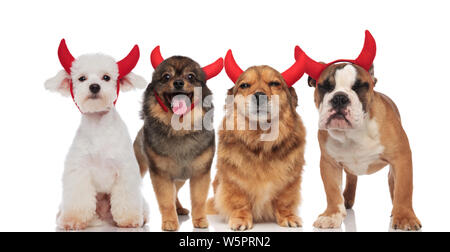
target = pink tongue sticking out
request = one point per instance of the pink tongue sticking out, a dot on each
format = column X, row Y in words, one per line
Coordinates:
column 179, row 106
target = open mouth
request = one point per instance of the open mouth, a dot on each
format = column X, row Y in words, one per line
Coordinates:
column 179, row 102
column 339, row 116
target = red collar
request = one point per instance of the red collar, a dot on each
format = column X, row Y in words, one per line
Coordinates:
column 164, row 107
column 73, row 96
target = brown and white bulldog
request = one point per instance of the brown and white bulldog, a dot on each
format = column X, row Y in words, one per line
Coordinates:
column 360, row 132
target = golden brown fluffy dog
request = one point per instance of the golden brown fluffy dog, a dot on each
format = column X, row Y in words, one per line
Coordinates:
column 259, row 180
column 173, row 156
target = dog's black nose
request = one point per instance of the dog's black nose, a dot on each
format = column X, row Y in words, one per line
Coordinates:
column 260, row 96
column 340, row 100
column 178, row 84
column 95, row 88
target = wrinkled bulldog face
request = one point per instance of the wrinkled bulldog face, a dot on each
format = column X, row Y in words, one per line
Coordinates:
column 342, row 96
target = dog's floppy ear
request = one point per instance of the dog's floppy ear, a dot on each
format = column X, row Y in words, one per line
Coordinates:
column 294, row 97
column 230, row 91
column 372, row 74
column 60, row 83
column 311, row 82
column 132, row 81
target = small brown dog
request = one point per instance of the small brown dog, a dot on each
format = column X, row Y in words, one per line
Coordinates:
column 175, row 155
column 259, row 180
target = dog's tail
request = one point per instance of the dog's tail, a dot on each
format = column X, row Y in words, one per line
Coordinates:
column 210, row 207
column 138, row 147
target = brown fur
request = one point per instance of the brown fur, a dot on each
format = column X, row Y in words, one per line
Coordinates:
column 327, row 77
column 397, row 154
column 260, row 180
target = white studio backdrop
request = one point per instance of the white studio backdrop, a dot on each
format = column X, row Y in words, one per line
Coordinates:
column 37, row 127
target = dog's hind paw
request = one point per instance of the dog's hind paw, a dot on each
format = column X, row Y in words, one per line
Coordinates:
column 182, row 211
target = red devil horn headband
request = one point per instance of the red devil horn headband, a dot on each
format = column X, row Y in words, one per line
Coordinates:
column 125, row 66
column 290, row 76
column 364, row 60
column 231, row 67
column 65, row 57
column 211, row 70
column 367, row 55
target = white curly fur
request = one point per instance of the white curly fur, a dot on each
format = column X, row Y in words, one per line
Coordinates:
column 101, row 159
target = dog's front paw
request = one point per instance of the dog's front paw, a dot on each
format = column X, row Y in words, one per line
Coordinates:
column 405, row 220
column 290, row 221
column 132, row 220
column 329, row 221
column 241, row 224
column 170, row 225
column 73, row 221
column 130, row 223
column 200, row 222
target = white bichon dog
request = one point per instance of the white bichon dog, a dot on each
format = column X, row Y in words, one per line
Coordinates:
column 101, row 175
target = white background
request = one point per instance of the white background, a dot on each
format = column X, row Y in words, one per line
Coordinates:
column 37, row 127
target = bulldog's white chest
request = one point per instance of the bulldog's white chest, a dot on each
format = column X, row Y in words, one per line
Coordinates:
column 356, row 149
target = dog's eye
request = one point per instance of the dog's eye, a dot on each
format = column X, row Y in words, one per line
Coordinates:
column 325, row 86
column 358, row 85
column 190, row 76
column 82, row 78
column 274, row 84
column 244, row 85
column 106, row 77
column 166, row 76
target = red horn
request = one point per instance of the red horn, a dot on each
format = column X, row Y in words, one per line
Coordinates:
column 312, row 68
column 232, row 69
column 128, row 63
column 367, row 55
column 213, row 69
column 295, row 72
column 65, row 57
column 156, row 58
